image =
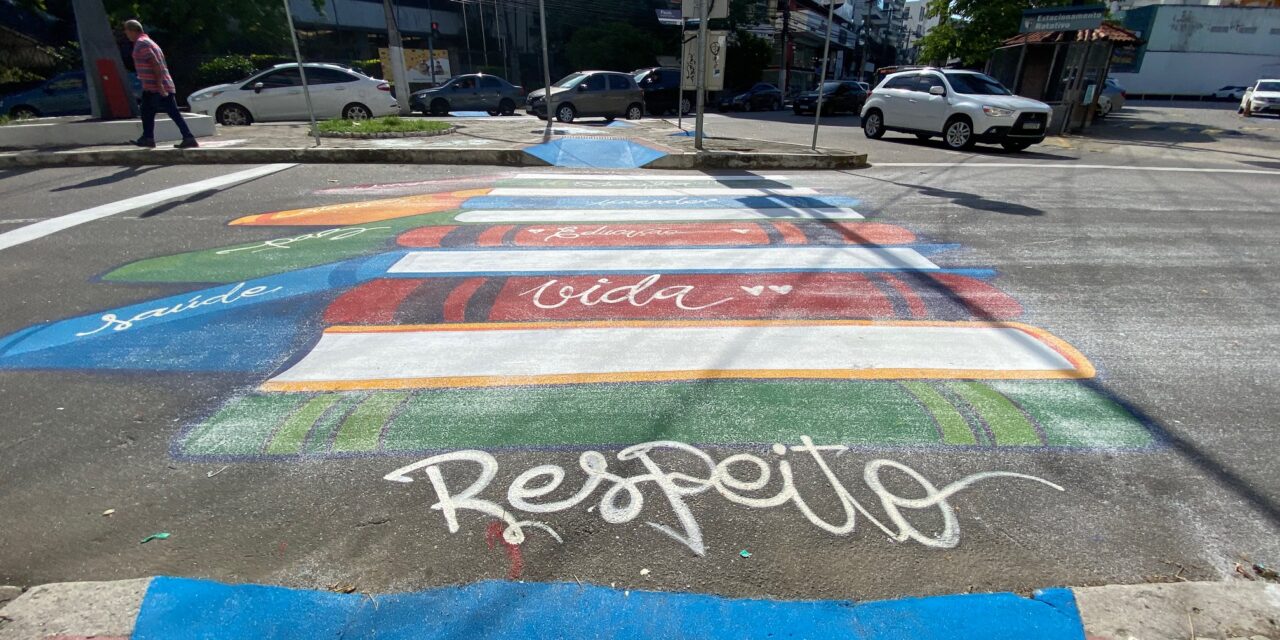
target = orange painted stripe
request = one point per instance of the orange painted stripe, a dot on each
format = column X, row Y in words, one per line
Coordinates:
column 492, row 237
column 455, row 306
column 790, row 234
column 914, row 304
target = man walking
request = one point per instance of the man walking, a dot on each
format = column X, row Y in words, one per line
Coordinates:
column 157, row 88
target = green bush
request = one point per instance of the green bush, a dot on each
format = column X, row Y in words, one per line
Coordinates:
column 224, row 69
column 371, row 68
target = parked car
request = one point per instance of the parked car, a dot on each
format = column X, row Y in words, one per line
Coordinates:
column 963, row 107
column 865, row 87
column 471, row 92
column 1230, row 92
column 761, row 96
column 847, row 96
column 276, row 94
column 661, row 87
column 1112, row 98
column 1263, row 97
column 605, row 94
column 62, row 95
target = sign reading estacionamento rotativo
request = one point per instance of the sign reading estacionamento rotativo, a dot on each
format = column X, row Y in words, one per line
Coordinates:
column 1062, row 18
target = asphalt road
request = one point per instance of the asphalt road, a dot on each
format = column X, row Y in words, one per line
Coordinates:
column 258, row 427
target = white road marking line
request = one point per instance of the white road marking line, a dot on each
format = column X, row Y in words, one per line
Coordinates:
column 655, row 215
column 54, row 225
column 651, row 191
column 718, row 260
column 663, row 177
column 456, row 355
column 1046, row 165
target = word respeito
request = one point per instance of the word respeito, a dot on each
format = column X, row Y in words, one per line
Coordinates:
column 738, row 478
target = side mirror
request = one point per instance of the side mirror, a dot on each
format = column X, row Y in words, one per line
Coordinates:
column 937, row 91
column 258, row 87
column 582, row 87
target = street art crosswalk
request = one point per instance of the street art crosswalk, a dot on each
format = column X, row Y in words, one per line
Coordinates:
column 594, row 310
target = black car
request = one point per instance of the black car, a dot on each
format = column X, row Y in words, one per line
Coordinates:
column 846, row 96
column 760, row 97
column 471, row 92
column 661, row 86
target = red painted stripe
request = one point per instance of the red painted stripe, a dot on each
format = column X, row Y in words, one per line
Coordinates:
column 370, row 303
column 455, row 306
column 424, row 236
column 914, row 304
column 492, row 237
column 790, row 234
column 985, row 301
column 872, row 233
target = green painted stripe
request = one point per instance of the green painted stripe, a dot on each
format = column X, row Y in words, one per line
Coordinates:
column 361, row 429
column 290, row 436
column 955, row 429
column 1010, row 427
column 241, row 426
column 1076, row 415
column 318, row 441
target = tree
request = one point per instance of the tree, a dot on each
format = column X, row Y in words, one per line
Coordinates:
column 613, row 46
column 748, row 55
column 971, row 29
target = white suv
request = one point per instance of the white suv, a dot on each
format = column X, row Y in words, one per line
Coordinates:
column 963, row 107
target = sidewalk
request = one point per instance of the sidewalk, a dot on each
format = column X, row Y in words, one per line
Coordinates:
column 503, row 141
column 165, row 607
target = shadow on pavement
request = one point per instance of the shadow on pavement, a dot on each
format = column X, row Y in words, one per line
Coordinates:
column 121, row 175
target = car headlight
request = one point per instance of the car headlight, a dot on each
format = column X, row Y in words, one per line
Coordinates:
column 206, row 95
column 996, row 112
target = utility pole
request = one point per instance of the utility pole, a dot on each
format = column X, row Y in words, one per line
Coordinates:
column 431, row 44
column 466, row 30
column 822, row 79
column 484, row 39
column 862, row 62
column 109, row 93
column 302, row 72
column 395, row 51
column 546, row 69
column 786, row 59
column 703, row 12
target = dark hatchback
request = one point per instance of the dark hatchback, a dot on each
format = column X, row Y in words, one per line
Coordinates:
column 760, row 97
column 845, row 96
column 471, row 92
column 661, row 87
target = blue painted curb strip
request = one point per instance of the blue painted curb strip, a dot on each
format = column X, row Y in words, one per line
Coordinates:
column 184, row 608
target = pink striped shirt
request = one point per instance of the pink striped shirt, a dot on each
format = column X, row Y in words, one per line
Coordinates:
column 149, row 62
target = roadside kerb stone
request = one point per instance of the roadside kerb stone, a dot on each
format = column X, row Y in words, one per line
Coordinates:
column 1197, row 610
column 365, row 135
column 85, row 609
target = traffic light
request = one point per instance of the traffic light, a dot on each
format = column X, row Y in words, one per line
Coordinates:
column 435, row 29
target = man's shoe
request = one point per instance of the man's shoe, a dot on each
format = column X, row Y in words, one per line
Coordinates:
column 149, row 143
column 187, row 143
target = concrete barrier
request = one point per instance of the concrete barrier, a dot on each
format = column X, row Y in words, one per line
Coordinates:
column 82, row 132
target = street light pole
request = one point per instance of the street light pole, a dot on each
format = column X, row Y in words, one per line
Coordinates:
column 546, row 70
column 484, row 39
column 466, row 30
column 703, row 12
column 822, row 79
column 302, row 71
column 395, row 50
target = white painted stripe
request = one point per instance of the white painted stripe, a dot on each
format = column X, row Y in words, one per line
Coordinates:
column 651, row 191
column 718, row 260
column 655, row 215
column 847, row 350
column 54, row 225
column 1046, row 165
column 663, row 177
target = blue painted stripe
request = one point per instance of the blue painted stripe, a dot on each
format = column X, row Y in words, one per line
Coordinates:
column 658, row 202
column 184, row 608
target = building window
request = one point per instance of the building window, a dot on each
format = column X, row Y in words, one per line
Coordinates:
column 1275, row 31
column 1219, row 29
column 1248, row 29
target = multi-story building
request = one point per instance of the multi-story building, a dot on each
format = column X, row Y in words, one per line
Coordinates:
column 865, row 34
column 919, row 24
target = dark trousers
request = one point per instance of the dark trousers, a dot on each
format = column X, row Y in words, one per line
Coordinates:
column 151, row 104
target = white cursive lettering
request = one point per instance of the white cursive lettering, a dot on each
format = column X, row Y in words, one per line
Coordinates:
column 630, row 294
column 285, row 243
column 113, row 322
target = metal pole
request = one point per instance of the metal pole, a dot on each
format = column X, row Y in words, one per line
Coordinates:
column 826, row 51
column 680, row 100
column 431, row 43
column 703, row 12
column 466, row 30
column 484, row 39
column 546, row 69
column 501, row 22
column 302, row 71
column 395, row 51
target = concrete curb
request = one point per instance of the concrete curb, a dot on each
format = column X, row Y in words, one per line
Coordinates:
column 332, row 155
column 1218, row 610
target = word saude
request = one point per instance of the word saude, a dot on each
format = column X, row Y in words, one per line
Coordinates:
column 623, row 500
column 115, row 323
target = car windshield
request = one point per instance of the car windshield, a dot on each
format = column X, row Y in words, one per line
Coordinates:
column 976, row 84
column 1268, row 86
column 570, row 81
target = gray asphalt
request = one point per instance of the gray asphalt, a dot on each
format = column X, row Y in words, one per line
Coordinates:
column 1164, row 281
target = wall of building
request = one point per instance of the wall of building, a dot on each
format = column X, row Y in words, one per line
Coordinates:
column 1194, row 50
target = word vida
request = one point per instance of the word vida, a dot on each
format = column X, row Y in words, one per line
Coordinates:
column 636, row 295
column 115, row 323
column 737, row 478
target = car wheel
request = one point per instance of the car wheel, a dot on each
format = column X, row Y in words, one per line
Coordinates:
column 233, row 115
column 566, row 113
column 923, row 136
column 1015, row 146
column 507, row 107
column 1104, row 109
column 873, row 124
column 439, row 107
column 686, row 106
column 958, row 134
column 777, row 105
column 24, row 112
column 356, row 111
column 635, row 111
